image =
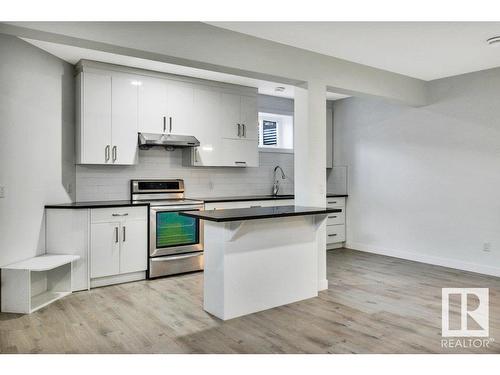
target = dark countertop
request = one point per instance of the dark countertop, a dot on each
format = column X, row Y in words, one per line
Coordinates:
column 127, row 203
column 243, row 198
column 97, row 204
column 331, row 195
column 238, row 214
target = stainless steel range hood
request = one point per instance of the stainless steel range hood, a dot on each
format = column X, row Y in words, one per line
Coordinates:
column 169, row 141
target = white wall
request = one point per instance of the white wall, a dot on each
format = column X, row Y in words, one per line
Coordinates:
column 424, row 182
column 36, row 143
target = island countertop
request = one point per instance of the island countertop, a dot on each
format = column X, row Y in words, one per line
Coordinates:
column 253, row 213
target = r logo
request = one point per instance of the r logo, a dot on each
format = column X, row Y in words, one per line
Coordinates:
column 480, row 313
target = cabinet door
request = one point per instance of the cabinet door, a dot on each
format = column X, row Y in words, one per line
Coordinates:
column 95, row 131
column 240, row 153
column 134, row 241
column 180, row 99
column 231, row 116
column 206, row 118
column 152, row 105
column 104, row 249
column 124, row 119
column 249, row 117
column 329, row 137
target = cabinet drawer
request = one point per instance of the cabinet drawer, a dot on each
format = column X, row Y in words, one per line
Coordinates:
column 336, row 218
column 100, row 215
column 335, row 202
column 335, row 233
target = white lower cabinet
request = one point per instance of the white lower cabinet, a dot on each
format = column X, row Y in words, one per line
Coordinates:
column 105, row 249
column 111, row 243
column 133, row 237
column 335, row 223
column 118, row 243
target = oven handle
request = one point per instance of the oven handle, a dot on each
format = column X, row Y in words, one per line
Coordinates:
column 177, row 208
column 176, row 257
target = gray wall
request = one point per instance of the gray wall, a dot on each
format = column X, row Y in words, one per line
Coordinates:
column 112, row 182
column 424, row 182
column 36, row 144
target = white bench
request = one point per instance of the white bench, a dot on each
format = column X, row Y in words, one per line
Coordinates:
column 34, row 283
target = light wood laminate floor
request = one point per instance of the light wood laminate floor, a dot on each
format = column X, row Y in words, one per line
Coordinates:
column 374, row 304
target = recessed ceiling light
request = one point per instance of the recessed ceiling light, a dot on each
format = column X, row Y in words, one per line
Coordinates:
column 493, row 40
column 279, row 89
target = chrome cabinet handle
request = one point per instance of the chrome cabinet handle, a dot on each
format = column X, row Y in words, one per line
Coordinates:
column 239, row 130
column 114, row 153
column 332, row 217
column 332, row 235
column 244, row 130
column 116, row 235
column 124, row 233
column 106, row 152
column 332, row 202
column 125, row 214
column 164, row 124
column 170, row 124
column 240, row 162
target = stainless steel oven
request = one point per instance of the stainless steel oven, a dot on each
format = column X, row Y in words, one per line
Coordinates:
column 171, row 233
column 175, row 241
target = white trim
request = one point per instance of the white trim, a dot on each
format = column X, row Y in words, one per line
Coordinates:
column 428, row 259
column 117, row 279
column 322, row 285
column 335, row 245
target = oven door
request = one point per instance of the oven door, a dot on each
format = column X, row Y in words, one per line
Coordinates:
column 171, row 233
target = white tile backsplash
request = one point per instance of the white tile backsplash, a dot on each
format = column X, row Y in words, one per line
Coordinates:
column 103, row 182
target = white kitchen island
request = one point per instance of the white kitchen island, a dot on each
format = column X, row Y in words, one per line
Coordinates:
column 259, row 258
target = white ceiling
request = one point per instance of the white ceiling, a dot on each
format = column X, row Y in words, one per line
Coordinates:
column 425, row 50
column 73, row 54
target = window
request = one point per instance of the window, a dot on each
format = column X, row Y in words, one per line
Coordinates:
column 269, row 133
column 275, row 132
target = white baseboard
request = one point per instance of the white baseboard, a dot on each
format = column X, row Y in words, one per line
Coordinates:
column 322, row 285
column 337, row 245
column 117, row 279
column 428, row 259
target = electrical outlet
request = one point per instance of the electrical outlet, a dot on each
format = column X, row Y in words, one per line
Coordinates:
column 487, row 247
column 2, row 191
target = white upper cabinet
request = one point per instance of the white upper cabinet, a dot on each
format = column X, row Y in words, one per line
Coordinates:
column 239, row 116
column 152, row 105
column 94, row 122
column 124, row 119
column 206, row 119
column 180, row 106
column 230, row 112
column 115, row 103
column 107, row 120
column 329, row 137
column 249, row 117
column 240, row 153
column 165, row 106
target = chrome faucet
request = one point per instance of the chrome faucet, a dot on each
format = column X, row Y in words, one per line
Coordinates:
column 276, row 184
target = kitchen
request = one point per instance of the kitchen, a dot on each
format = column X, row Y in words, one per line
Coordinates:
column 143, row 172
column 116, row 108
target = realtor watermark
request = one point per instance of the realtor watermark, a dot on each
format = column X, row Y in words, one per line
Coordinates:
column 465, row 324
